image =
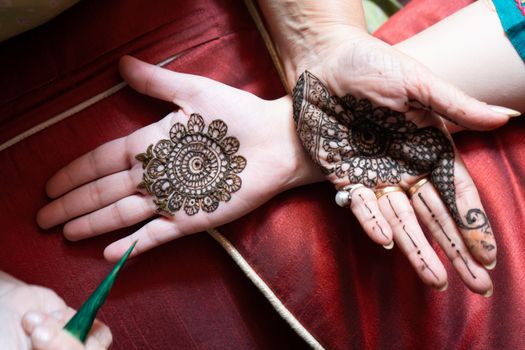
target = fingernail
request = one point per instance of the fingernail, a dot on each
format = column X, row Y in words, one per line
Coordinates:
column 34, row 319
column 489, row 292
column 505, row 110
column 491, row 266
column 389, row 245
column 444, row 288
column 42, row 334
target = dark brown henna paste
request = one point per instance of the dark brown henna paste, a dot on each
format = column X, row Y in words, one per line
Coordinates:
column 195, row 169
column 425, row 264
column 349, row 138
column 373, row 217
column 452, row 244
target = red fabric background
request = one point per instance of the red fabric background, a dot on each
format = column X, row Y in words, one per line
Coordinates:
column 348, row 292
column 187, row 294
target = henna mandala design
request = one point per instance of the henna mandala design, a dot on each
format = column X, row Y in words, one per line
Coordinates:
column 349, row 138
column 195, row 169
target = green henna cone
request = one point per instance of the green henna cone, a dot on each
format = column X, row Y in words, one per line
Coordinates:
column 80, row 324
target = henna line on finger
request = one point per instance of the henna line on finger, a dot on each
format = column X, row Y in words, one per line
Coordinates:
column 366, row 206
column 404, row 226
column 428, row 267
column 373, row 217
column 434, row 217
column 412, row 240
column 465, row 261
column 391, row 206
column 381, row 229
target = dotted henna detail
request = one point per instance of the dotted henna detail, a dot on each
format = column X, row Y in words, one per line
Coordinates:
column 194, row 170
column 425, row 264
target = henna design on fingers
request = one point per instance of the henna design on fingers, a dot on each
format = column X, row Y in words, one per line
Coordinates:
column 373, row 217
column 404, row 226
column 193, row 170
column 425, row 264
column 465, row 261
column 351, row 139
column 452, row 244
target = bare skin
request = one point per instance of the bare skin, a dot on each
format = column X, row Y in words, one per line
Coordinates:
column 32, row 317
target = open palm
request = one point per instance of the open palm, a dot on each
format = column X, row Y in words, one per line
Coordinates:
column 369, row 115
column 97, row 193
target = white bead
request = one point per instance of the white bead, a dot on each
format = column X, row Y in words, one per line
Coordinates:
column 342, row 198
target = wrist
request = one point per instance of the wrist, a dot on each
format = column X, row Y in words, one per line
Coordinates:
column 304, row 30
column 313, row 52
column 297, row 167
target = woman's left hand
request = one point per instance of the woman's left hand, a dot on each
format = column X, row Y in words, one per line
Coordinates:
column 201, row 172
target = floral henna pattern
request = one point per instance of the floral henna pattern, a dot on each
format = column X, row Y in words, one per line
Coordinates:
column 195, row 169
column 351, row 139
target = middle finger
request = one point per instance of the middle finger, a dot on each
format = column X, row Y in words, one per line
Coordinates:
column 92, row 196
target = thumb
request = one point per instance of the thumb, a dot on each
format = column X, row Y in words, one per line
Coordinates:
column 162, row 83
column 455, row 106
column 46, row 332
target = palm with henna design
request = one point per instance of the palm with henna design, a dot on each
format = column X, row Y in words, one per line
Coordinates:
column 221, row 155
column 355, row 142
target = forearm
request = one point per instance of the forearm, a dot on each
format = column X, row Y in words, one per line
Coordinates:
column 302, row 30
column 470, row 50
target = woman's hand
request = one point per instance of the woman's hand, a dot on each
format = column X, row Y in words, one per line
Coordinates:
column 365, row 134
column 369, row 114
column 329, row 39
column 354, row 61
column 204, row 174
column 32, row 317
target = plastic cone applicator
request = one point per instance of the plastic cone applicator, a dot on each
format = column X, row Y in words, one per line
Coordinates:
column 81, row 322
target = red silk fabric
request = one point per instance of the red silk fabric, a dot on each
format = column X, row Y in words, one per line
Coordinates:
column 348, row 292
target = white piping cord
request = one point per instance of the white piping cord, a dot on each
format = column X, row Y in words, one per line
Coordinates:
column 72, row 111
column 265, row 289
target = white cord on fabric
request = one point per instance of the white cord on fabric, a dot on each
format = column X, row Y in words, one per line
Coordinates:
column 265, row 289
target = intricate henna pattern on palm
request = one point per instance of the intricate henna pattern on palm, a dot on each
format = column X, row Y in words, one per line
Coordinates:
column 195, row 169
column 351, row 139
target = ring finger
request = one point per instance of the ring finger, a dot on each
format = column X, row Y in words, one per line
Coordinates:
column 123, row 213
column 408, row 235
column 90, row 197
